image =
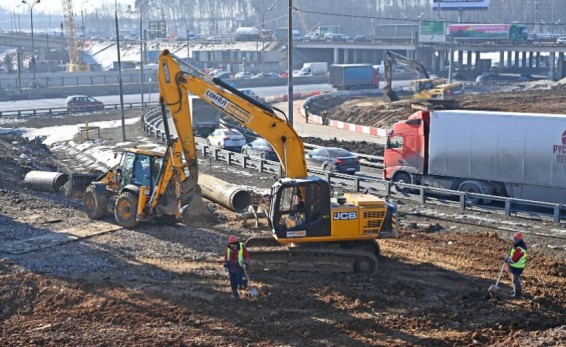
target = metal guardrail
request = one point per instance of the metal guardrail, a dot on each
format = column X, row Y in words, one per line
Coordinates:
column 360, row 183
column 53, row 111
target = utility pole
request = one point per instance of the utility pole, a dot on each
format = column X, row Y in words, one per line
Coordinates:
column 32, row 61
column 188, row 47
column 290, row 64
column 142, row 41
column 120, row 73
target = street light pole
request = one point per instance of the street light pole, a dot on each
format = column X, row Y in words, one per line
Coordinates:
column 141, row 50
column 32, row 62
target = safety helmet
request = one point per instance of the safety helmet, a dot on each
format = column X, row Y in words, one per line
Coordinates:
column 232, row 239
column 518, row 236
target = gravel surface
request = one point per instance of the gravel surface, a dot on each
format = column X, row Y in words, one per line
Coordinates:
column 160, row 285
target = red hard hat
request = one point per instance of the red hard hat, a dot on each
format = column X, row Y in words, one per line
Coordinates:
column 518, row 236
column 232, row 239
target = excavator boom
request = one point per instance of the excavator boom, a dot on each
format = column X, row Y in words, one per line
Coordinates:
column 174, row 86
column 311, row 230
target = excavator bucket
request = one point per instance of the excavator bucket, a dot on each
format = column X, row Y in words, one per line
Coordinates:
column 391, row 96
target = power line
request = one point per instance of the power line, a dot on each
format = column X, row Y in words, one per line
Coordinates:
column 416, row 20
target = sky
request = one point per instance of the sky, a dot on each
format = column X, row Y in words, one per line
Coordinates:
column 56, row 6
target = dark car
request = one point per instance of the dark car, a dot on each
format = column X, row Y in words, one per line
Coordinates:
column 260, row 148
column 333, row 159
column 78, row 103
column 362, row 39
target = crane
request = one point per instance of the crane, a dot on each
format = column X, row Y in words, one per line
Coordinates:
column 75, row 59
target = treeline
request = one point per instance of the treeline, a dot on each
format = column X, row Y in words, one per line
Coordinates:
column 356, row 17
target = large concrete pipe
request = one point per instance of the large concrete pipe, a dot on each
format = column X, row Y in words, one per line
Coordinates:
column 226, row 194
column 46, row 181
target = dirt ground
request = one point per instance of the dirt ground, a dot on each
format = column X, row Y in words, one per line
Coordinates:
column 157, row 285
column 377, row 113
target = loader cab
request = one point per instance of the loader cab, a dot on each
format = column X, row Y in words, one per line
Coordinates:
column 140, row 168
column 297, row 208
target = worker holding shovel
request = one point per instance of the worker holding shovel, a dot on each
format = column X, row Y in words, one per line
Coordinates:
column 516, row 261
column 236, row 259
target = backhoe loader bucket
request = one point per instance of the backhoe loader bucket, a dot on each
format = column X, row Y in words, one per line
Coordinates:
column 391, row 96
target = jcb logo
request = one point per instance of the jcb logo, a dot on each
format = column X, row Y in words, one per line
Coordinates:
column 345, row 215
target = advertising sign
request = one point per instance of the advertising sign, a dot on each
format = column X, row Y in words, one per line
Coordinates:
column 479, row 31
column 459, row 5
column 432, row 31
column 157, row 29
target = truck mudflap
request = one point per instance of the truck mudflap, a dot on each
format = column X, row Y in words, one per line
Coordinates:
column 267, row 255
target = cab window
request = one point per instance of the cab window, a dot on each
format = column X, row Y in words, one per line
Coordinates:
column 395, row 142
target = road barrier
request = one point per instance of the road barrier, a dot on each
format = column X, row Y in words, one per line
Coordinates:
column 370, row 185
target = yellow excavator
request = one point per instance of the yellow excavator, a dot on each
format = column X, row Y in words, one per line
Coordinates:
column 426, row 90
column 311, row 231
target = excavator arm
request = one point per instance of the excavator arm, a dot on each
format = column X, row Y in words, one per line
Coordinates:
column 391, row 58
column 174, row 86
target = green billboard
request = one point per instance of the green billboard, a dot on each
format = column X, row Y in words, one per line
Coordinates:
column 432, row 31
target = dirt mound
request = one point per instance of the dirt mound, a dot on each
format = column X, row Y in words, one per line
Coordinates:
column 18, row 156
column 376, row 113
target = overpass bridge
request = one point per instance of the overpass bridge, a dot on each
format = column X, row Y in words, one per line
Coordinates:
column 437, row 57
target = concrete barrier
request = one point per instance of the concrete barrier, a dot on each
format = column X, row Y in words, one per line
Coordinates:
column 342, row 125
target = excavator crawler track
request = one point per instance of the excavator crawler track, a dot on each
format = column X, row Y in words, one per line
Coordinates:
column 267, row 255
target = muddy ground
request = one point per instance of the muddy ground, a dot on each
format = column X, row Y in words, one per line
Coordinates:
column 377, row 113
column 157, row 285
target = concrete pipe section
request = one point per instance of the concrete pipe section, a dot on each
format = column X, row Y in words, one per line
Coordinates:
column 46, row 181
column 231, row 196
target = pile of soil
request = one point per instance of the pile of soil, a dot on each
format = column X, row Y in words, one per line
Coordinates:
column 375, row 112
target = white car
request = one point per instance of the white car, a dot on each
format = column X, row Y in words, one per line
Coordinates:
column 230, row 139
column 243, row 75
column 561, row 40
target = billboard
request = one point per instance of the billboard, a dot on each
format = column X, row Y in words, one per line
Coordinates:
column 479, row 31
column 157, row 29
column 459, row 5
column 432, row 31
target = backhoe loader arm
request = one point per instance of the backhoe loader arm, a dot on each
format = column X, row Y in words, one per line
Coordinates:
column 174, row 86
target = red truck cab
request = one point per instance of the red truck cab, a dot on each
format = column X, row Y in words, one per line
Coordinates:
column 406, row 151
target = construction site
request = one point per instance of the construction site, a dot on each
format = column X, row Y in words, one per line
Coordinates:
column 69, row 280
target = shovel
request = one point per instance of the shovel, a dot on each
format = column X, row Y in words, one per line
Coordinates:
column 252, row 290
column 494, row 287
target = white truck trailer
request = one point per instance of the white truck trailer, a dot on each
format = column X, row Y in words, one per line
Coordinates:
column 520, row 155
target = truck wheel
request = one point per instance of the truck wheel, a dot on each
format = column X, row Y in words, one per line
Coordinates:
column 402, row 178
column 126, row 209
column 471, row 188
column 95, row 204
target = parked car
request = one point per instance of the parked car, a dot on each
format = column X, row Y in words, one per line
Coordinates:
column 260, row 148
column 333, row 159
column 561, row 40
column 243, row 75
column 230, row 139
column 77, row 103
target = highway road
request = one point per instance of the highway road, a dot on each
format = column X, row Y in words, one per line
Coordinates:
column 115, row 99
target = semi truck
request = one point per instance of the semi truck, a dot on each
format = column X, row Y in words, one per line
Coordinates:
column 205, row 118
column 353, row 76
column 517, row 155
column 489, row 32
column 313, row 69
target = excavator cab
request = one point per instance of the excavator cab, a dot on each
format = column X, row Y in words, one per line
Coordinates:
column 297, row 208
column 140, row 168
